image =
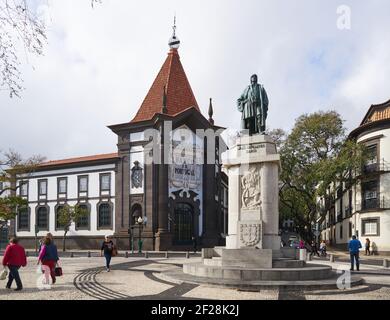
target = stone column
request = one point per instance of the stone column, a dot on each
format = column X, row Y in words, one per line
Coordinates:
column 163, row 237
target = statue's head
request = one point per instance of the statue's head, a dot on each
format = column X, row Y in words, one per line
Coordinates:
column 253, row 79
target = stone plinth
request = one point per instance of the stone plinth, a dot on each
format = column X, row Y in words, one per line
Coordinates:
column 253, row 168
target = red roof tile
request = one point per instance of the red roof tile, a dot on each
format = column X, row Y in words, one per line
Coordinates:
column 105, row 156
column 179, row 95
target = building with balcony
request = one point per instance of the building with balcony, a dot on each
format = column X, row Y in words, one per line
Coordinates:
column 363, row 208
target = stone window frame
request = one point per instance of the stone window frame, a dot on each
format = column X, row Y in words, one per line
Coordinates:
column 58, row 205
column 25, row 182
column 88, row 205
column 101, row 175
column 28, row 228
column 48, row 217
column 371, row 219
column 111, row 207
column 79, row 177
column 58, row 186
column 39, row 189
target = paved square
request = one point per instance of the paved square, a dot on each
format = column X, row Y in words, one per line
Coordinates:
column 142, row 279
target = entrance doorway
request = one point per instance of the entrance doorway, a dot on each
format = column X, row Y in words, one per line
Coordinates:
column 184, row 224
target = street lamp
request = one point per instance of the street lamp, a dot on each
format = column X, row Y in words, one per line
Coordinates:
column 140, row 221
column 36, row 230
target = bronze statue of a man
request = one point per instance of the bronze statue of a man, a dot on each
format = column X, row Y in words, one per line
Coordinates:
column 253, row 104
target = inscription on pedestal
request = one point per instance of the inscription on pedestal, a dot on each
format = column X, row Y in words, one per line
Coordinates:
column 250, row 148
column 250, row 234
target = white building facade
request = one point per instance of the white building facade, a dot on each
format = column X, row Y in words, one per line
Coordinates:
column 363, row 209
column 87, row 181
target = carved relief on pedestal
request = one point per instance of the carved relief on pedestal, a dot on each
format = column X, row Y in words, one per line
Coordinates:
column 250, row 189
column 250, row 234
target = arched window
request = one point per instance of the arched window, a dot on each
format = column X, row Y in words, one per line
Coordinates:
column 59, row 225
column 83, row 222
column 23, row 219
column 136, row 211
column 184, row 226
column 104, row 215
column 43, row 218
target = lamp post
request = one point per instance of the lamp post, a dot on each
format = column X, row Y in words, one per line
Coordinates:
column 130, row 239
column 36, row 230
column 140, row 221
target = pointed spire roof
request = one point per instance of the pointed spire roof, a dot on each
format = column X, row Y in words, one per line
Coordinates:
column 178, row 93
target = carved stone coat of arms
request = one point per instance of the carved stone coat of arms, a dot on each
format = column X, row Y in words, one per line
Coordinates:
column 250, row 189
column 250, row 233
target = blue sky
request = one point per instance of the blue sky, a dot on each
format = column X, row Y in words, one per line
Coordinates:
column 99, row 64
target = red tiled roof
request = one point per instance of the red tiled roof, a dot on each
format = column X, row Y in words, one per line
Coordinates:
column 179, row 95
column 105, row 156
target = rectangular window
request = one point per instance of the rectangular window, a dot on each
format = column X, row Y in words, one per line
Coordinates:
column 372, row 154
column 83, row 183
column 105, row 182
column 42, row 187
column 23, row 188
column 370, row 227
column 62, row 185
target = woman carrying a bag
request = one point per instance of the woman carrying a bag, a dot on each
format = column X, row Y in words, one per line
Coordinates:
column 48, row 256
column 14, row 258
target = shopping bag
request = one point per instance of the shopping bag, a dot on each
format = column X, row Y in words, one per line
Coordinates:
column 58, row 270
column 3, row 274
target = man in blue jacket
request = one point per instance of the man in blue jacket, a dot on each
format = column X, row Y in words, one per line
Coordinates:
column 354, row 245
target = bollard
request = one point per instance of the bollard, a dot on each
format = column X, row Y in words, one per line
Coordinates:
column 89, row 254
column 309, row 257
column 146, row 254
column 71, row 254
column 331, row 258
column 166, row 255
column 385, row 263
column 126, row 254
column 187, row 255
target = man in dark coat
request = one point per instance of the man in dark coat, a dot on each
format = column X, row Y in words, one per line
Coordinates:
column 253, row 104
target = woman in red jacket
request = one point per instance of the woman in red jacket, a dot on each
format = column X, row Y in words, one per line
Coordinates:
column 14, row 258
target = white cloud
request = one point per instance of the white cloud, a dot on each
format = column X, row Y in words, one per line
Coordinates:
column 100, row 63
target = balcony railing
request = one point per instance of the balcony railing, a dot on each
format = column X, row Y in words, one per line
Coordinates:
column 380, row 202
column 380, row 166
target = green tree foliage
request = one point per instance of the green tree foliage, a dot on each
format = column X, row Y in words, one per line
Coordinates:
column 12, row 167
column 20, row 26
column 315, row 155
column 67, row 215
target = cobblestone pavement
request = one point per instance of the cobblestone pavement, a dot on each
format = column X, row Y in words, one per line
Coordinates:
column 142, row 279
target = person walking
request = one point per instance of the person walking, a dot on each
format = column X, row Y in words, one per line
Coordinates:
column 313, row 247
column 48, row 256
column 107, row 248
column 14, row 258
column 323, row 248
column 194, row 244
column 354, row 245
column 301, row 244
column 367, row 247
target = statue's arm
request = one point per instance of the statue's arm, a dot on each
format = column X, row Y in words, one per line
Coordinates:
column 265, row 99
column 242, row 100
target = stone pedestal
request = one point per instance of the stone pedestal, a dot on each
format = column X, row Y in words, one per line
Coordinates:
column 253, row 168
